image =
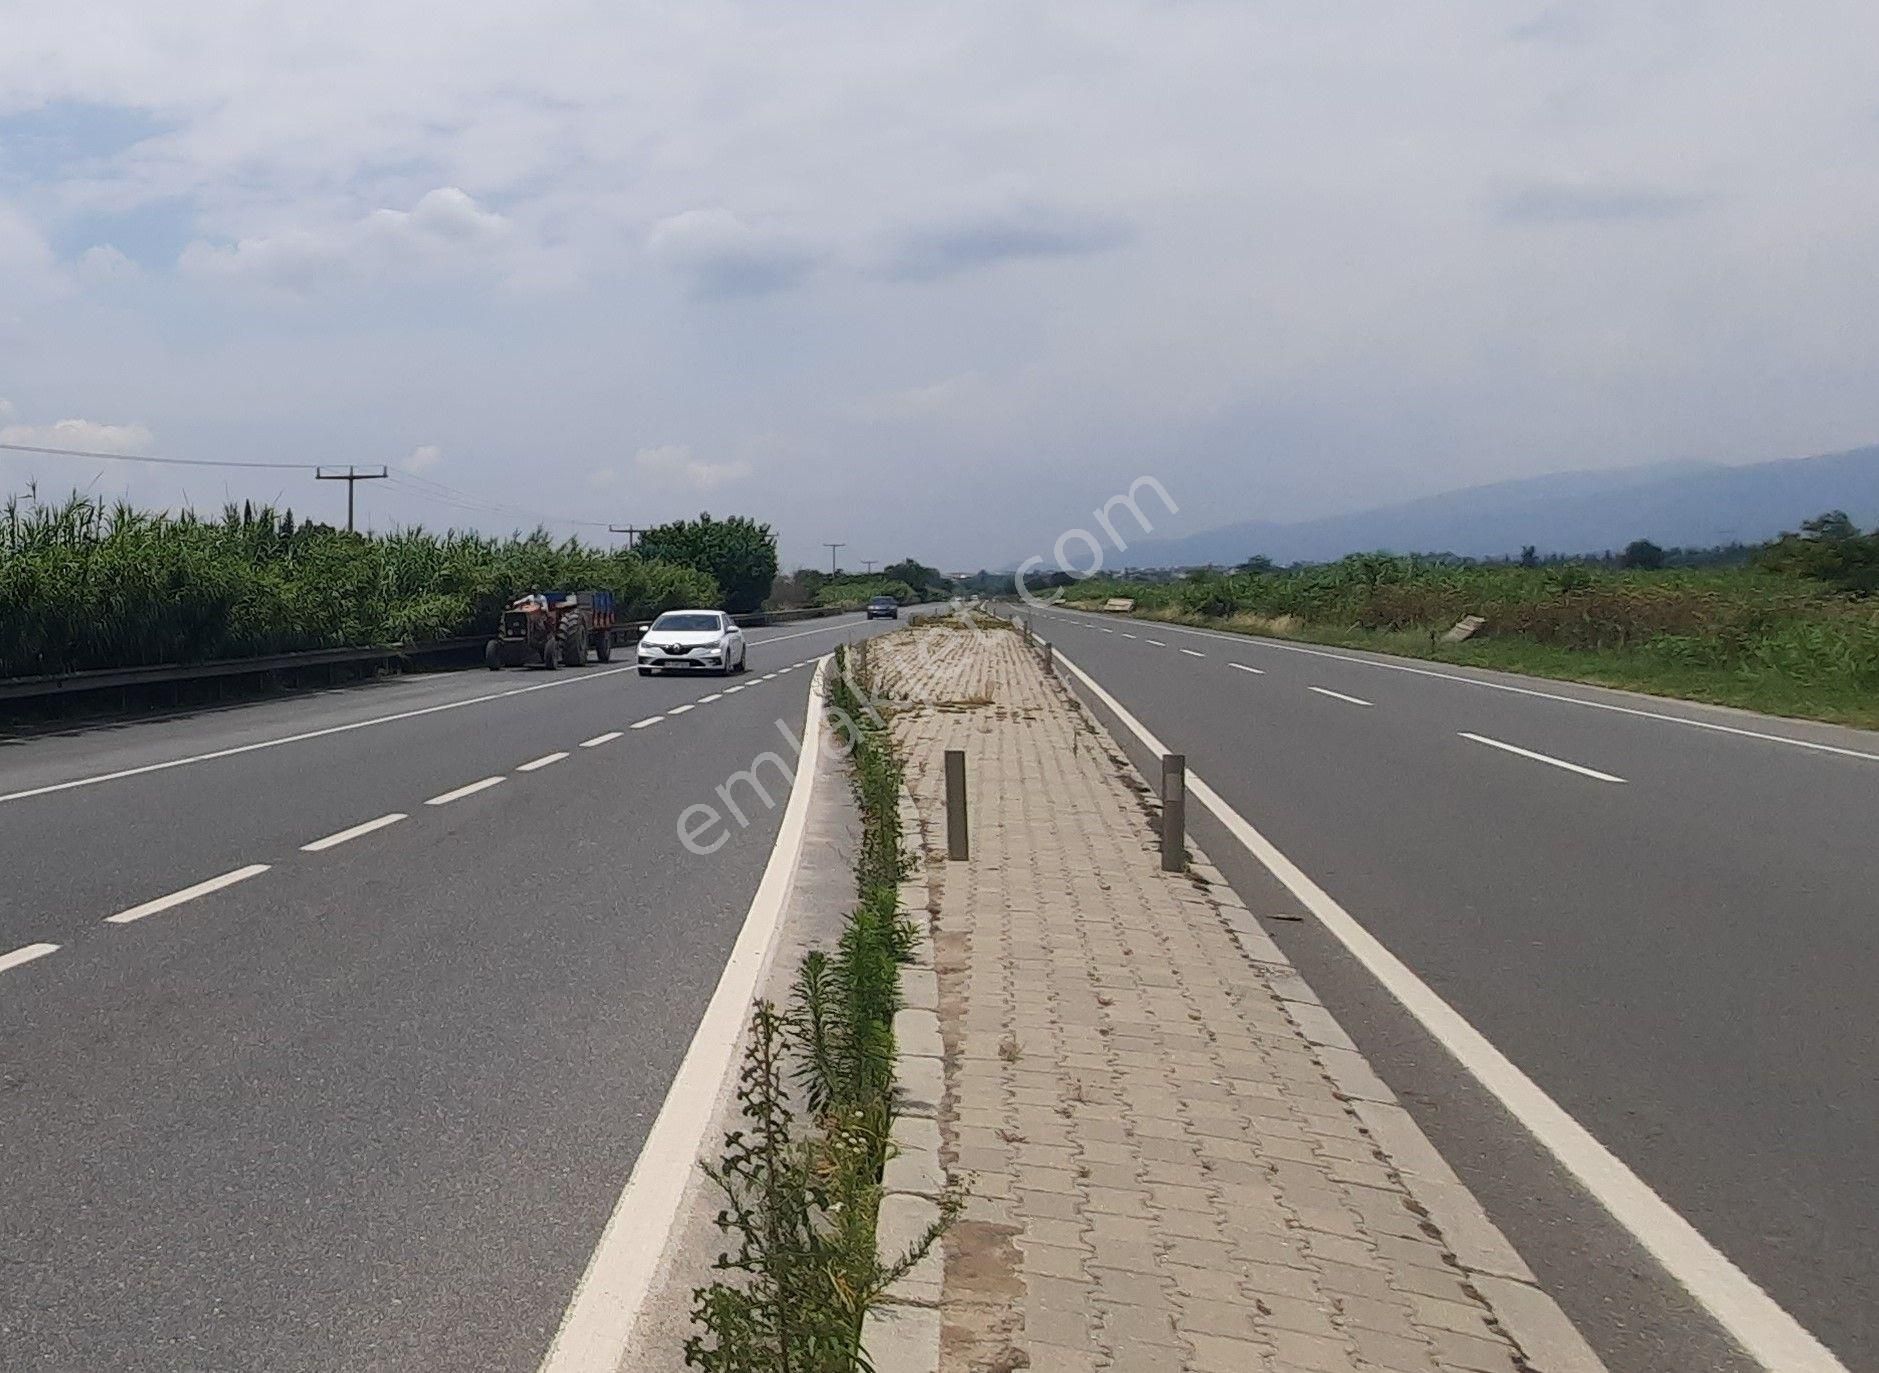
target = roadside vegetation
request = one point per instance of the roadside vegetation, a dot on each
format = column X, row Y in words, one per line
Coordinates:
column 908, row 582
column 1791, row 629
column 801, row 1176
column 86, row 585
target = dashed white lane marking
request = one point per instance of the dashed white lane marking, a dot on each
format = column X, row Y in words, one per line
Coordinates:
column 306, row 735
column 600, row 739
column 177, row 898
column 732, row 691
column 1772, row 1337
column 1256, row 671
column 1339, row 696
column 333, row 841
column 678, row 710
column 612, row 1291
column 1193, row 653
column 1540, row 757
column 1510, row 688
column 25, row 954
column 707, row 700
column 462, row 792
column 768, row 676
column 1156, row 642
column 1127, row 635
column 649, row 720
column 1105, row 629
column 546, row 760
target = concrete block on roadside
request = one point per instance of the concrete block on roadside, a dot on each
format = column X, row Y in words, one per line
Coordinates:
column 902, row 1339
column 919, row 988
column 1476, row 1242
column 1320, row 1026
column 922, row 1083
column 915, row 1163
column 1352, row 1075
column 917, row 1032
column 1409, row 1150
column 904, row 1221
column 1550, row 1341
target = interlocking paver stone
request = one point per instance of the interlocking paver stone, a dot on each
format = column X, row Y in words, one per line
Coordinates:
column 1176, row 1182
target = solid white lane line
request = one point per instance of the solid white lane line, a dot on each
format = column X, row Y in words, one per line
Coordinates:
column 546, row 760
column 1339, row 696
column 607, row 1303
column 1511, row 689
column 678, row 710
column 707, row 700
column 1193, row 653
column 1156, row 642
column 26, row 953
column 600, row 739
column 649, row 720
column 462, row 792
column 1540, row 757
column 1771, row 1336
column 333, row 841
column 307, row 735
column 1256, row 671
column 177, row 898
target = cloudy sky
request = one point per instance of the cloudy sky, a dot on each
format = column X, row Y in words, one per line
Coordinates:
column 929, row 278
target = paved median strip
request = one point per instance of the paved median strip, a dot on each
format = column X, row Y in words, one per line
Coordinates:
column 177, row 898
column 25, row 954
column 1339, row 696
column 333, row 841
column 462, row 792
column 1540, row 757
column 600, row 739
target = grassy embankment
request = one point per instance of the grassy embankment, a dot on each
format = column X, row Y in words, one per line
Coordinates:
column 1738, row 637
column 86, row 585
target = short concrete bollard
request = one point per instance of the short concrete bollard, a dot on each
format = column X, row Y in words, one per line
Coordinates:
column 1050, row 661
column 1173, row 812
column 958, row 845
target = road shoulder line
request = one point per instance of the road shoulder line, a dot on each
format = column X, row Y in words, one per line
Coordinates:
column 1766, row 1332
column 606, row 1305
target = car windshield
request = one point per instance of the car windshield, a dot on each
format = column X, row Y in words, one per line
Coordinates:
column 882, row 600
column 668, row 623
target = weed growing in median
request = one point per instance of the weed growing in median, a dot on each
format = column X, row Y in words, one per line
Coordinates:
column 802, row 1177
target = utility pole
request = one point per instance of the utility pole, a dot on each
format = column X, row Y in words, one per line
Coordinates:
column 831, row 548
column 631, row 531
column 352, row 476
column 869, row 564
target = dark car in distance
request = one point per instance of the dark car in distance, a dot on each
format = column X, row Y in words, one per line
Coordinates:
column 883, row 608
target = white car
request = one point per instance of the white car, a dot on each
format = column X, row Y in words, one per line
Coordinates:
column 692, row 641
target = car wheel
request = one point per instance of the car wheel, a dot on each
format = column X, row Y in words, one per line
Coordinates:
column 645, row 672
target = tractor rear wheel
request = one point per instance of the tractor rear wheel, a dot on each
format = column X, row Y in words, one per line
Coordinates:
column 603, row 650
column 492, row 656
column 573, row 641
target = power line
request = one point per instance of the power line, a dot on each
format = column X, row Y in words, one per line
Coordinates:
column 165, row 462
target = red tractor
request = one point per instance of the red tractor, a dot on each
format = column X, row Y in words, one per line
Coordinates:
column 552, row 628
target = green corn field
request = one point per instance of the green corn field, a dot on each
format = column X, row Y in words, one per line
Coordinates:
column 85, row 584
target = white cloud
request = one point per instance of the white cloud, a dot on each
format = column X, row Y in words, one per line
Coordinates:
column 672, row 465
column 918, row 402
column 88, row 435
column 104, row 265
column 424, row 457
column 445, row 232
column 722, row 256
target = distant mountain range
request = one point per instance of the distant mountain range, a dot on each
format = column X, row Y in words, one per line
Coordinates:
column 1692, row 504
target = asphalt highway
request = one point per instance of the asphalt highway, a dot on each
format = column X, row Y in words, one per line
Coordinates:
column 330, row 1025
column 1663, row 913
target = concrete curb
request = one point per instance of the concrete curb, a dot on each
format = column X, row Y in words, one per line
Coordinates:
column 902, row 1335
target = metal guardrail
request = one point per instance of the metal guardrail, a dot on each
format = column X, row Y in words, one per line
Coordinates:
column 105, row 679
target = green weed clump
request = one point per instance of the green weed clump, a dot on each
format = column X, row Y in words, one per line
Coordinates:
column 89, row 585
column 802, row 1177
